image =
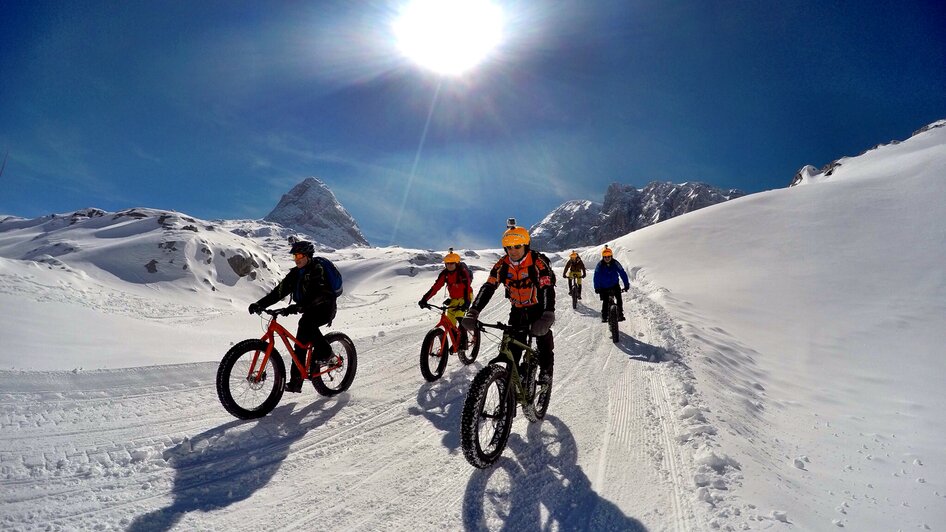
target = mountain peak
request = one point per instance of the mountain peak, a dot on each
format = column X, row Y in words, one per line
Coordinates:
column 626, row 208
column 312, row 208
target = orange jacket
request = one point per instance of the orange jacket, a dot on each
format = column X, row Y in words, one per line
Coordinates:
column 527, row 284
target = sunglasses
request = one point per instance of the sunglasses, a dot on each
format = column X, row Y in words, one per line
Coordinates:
column 298, row 255
column 517, row 246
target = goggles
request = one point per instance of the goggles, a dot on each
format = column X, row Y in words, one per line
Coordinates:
column 517, row 246
column 298, row 256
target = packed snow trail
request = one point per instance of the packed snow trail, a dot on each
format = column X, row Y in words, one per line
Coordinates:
column 152, row 449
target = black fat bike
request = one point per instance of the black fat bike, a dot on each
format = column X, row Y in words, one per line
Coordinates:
column 494, row 395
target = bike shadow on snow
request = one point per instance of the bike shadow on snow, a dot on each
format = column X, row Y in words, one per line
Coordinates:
column 638, row 350
column 441, row 403
column 536, row 472
column 229, row 463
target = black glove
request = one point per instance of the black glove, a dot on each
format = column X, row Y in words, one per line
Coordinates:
column 626, row 288
column 422, row 304
column 469, row 320
column 292, row 309
column 541, row 326
column 255, row 308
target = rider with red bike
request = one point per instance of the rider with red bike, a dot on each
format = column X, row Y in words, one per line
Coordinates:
column 312, row 295
column 459, row 287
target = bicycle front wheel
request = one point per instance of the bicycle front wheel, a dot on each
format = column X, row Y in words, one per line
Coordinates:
column 341, row 369
column 433, row 355
column 243, row 390
column 487, row 416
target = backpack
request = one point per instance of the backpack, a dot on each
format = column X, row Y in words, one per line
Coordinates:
column 534, row 272
column 466, row 270
column 332, row 274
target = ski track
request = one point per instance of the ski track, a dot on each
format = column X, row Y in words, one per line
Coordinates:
column 57, row 464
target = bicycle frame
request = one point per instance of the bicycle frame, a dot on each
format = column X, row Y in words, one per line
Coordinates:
column 270, row 338
column 528, row 354
column 452, row 331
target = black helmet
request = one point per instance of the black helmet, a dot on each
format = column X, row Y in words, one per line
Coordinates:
column 306, row 248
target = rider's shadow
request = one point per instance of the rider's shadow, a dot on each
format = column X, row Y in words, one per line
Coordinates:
column 640, row 351
column 441, row 402
column 544, row 473
column 229, row 463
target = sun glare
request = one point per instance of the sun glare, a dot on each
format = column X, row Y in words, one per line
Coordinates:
column 449, row 36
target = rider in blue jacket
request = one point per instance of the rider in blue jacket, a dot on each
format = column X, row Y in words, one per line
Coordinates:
column 608, row 273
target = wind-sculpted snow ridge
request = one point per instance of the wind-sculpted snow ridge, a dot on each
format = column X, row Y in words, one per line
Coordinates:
column 888, row 160
column 142, row 247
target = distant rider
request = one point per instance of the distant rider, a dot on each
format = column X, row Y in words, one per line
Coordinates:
column 529, row 288
column 459, row 288
column 606, row 282
column 312, row 295
column 574, row 272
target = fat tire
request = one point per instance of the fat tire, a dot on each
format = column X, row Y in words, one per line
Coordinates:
column 490, row 376
column 473, row 344
column 429, row 350
column 538, row 401
column 242, row 406
column 339, row 379
column 613, row 323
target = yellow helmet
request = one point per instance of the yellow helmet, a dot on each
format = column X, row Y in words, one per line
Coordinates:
column 606, row 252
column 574, row 255
column 515, row 236
column 451, row 258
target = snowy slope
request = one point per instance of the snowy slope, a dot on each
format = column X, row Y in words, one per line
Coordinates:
column 798, row 336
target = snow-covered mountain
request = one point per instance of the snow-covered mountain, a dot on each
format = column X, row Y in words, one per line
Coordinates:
column 580, row 223
column 798, row 335
column 311, row 208
column 150, row 249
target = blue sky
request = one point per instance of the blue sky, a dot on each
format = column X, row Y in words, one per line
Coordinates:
column 216, row 109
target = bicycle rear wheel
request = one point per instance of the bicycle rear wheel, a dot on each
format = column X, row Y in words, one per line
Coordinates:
column 243, row 394
column 433, row 355
column 473, row 347
column 487, row 416
column 613, row 322
column 539, row 394
column 341, row 369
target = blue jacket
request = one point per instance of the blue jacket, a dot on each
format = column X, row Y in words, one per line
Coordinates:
column 606, row 275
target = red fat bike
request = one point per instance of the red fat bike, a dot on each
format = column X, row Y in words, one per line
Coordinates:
column 443, row 340
column 251, row 376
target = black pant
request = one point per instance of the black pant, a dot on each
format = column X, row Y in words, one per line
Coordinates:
column 309, row 332
column 519, row 316
column 604, row 293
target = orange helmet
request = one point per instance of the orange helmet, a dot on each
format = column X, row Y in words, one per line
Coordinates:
column 451, row 258
column 574, row 255
column 606, row 252
column 515, row 236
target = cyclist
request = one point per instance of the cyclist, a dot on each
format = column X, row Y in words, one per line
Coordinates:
column 530, row 290
column 606, row 281
column 312, row 295
column 459, row 288
column 574, row 272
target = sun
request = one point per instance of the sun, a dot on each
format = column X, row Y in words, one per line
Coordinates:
column 448, row 37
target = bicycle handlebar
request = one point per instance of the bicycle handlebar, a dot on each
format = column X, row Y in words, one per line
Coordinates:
column 501, row 326
column 276, row 312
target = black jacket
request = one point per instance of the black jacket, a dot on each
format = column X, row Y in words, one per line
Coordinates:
column 308, row 287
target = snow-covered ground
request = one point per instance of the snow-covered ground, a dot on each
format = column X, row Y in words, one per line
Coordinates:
column 798, row 385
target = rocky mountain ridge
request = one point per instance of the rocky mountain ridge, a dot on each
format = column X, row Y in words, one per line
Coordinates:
column 580, row 223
